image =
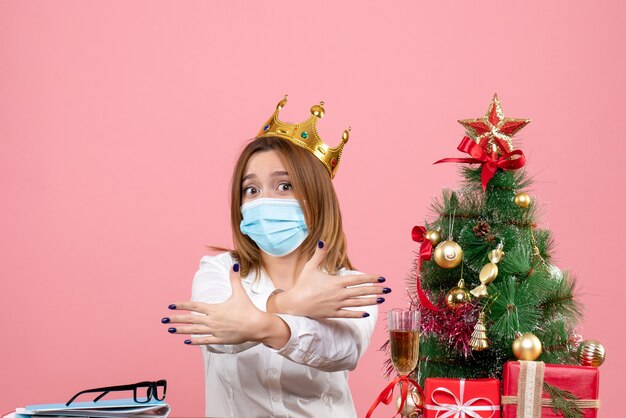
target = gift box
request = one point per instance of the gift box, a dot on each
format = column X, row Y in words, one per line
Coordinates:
column 461, row 398
column 524, row 394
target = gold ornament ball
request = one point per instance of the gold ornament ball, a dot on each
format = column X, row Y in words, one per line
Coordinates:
column 413, row 404
column 591, row 353
column 527, row 347
column 522, row 200
column 433, row 236
column 448, row 254
column 457, row 296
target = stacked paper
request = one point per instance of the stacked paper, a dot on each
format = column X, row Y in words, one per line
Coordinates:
column 100, row 409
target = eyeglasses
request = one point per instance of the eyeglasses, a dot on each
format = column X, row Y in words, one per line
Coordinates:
column 145, row 390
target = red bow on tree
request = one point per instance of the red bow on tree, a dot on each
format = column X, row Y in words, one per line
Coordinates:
column 489, row 161
column 426, row 251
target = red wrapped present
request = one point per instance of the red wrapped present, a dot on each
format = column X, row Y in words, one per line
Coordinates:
column 454, row 398
column 526, row 395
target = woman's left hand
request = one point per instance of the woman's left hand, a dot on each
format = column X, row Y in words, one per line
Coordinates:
column 234, row 321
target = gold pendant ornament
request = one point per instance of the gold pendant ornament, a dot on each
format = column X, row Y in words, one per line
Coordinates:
column 434, row 236
column 457, row 296
column 527, row 347
column 591, row 353
column 412, row 406
column 489, row 272
column 522, row 200
column 479, row 341
column 448, row 254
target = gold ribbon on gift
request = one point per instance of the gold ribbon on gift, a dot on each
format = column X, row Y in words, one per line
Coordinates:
column 529, row 389
column 547, row 402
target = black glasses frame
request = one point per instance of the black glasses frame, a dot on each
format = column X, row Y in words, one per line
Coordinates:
column 152, row 391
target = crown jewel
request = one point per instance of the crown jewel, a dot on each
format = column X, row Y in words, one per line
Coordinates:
column 305, row 135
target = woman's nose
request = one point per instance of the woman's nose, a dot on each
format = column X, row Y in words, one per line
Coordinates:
column 270, row 192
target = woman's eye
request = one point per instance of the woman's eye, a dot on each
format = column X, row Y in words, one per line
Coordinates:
column 285, row 187
column 250, row 190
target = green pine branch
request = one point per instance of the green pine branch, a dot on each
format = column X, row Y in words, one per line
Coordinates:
column 563, row 402
column 561, row 301
column 514, row 309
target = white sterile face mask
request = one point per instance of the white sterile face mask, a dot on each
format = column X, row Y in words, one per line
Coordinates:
column 277, row 226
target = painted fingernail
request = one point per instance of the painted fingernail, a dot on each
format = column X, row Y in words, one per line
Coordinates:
column 187, row 342
column 236, row 267
column 381, row 279
column 380, row 300
column 320, row 244
column 386, row 290
column 171, row 330
column 172, row 306
column 365, row 314
column 165, row 320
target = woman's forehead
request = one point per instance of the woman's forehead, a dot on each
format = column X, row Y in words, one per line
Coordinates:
column 265, row 163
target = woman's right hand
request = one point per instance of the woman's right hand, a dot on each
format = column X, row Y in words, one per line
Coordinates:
column 316, row 294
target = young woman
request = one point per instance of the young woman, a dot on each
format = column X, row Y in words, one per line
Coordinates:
column 283, row 316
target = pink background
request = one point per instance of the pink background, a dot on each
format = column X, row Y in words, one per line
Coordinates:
column 120, row 122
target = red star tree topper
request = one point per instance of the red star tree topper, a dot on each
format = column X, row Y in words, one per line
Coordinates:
column 493, row 131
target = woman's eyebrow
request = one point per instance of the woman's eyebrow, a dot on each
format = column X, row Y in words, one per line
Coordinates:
column 248, row 176
column 274, row 174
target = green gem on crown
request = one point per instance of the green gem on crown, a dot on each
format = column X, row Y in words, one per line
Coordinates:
column 304, row 134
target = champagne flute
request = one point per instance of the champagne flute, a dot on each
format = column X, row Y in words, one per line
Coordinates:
column 404, row 340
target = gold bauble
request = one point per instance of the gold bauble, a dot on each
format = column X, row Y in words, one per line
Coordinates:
column 433, row 236
column 488, row 273
column 522, row 199
column 527, row 347
column 413, row 404
column 591, row 353
column 448, row 254
column 457, row 296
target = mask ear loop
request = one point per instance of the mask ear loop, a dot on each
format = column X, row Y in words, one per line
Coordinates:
column 304, row 205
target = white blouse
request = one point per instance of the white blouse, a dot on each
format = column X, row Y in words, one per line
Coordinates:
column 308, row 377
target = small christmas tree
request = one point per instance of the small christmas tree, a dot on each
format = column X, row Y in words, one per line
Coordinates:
column 488, row 293
column 485, row 236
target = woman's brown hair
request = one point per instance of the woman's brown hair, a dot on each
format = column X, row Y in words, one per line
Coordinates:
column 314, row 190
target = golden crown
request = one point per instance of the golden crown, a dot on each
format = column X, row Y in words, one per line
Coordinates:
column 305, row 135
